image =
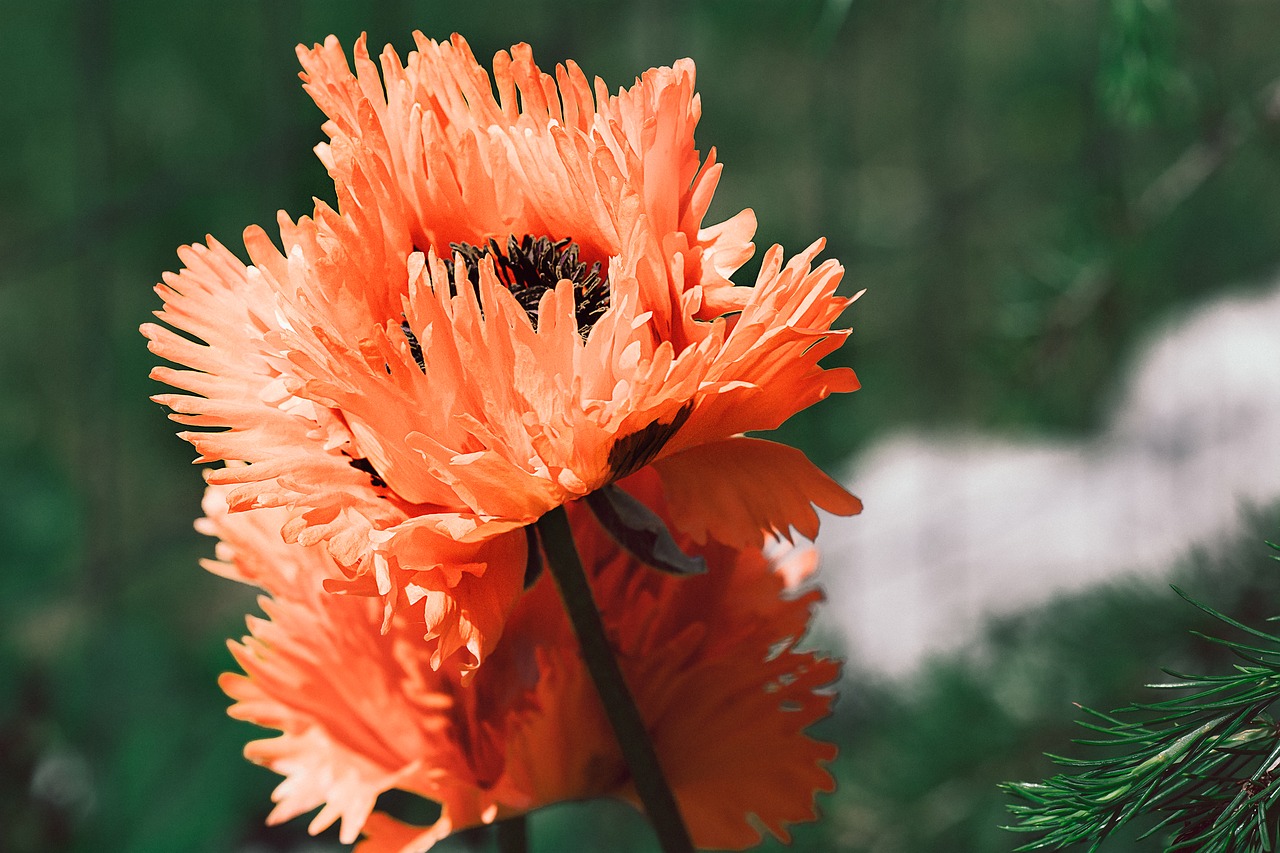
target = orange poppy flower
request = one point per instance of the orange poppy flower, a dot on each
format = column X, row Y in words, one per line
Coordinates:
column 711, row 660
column 514, row 304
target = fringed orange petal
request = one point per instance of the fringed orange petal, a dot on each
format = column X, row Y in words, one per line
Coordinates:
column 759, row 761
column 466, row 597
column 385, row 834
column 741, row 489
column 547, row 156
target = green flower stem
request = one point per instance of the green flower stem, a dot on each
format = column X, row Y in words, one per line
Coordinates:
column 637, row 749
column 513, row 835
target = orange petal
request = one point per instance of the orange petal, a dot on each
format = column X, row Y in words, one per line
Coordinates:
column 738, row 489
column 466, row 592
column 384, row 834
column 761, row 761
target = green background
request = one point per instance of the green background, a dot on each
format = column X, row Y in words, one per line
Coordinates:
column 990, row 171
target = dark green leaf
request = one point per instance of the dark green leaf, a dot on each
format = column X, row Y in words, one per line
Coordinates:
column 533, row 565
column 641, row 532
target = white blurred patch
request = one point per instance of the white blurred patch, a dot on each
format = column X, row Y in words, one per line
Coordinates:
column 63, row 780
column 957, row 527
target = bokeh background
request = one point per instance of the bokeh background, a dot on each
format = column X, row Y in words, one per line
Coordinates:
column 1041, row 199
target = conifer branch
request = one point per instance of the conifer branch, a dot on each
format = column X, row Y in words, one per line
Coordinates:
column 1204, row 765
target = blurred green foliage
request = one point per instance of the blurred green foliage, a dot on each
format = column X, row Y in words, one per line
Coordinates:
column 999, row 176
column 1139, row 76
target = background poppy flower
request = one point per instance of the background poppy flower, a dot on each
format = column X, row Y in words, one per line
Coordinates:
column 711, row 659
column 514, row 305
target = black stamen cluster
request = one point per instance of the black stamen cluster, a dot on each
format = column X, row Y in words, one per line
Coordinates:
column 415, row 346
column 531, row 266
column 366, row 466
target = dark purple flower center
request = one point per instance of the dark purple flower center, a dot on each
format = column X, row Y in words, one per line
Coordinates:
column 531, row 266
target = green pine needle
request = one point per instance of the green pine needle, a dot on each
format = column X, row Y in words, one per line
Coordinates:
column 1204, row 765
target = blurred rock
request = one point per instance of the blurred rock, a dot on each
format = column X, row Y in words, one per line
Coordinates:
column 960, row 526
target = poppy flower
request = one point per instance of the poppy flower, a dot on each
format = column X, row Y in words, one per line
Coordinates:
column 514, row 304
column 711, row 660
